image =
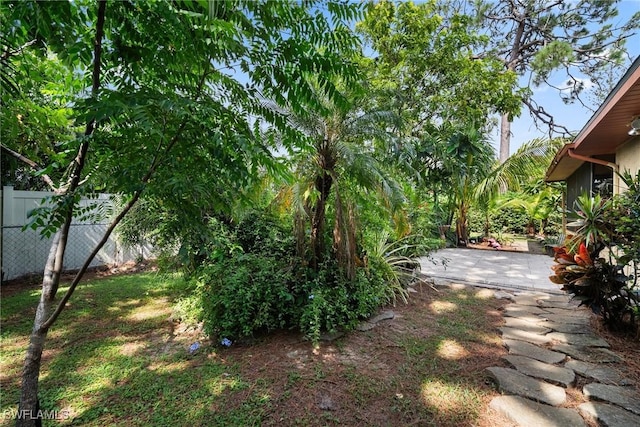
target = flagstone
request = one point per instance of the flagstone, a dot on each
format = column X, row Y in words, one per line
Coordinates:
column 530, row 337
column 609, row 415
column 586, row 340
column 625, row 397
column 513, row 382
column 534, row 368
column 527, row 413
column 587, row 354
column 522, row 348
column 603, row 373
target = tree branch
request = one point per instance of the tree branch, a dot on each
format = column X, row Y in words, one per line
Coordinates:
column 539, row 113
column 157, row 160
column 33, row 165
column 8, row 53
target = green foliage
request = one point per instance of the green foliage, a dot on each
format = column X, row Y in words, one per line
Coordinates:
column 591, row 226
column 246, row 294
column 262, row 233
column 598, row 283
column 594, row 266
column 334, row 303
column 426, row 67
column 625, row 219
column 559, row 41
column 501, row 220
column 252, row 282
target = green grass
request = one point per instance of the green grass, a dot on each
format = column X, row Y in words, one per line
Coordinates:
column 106, row 360
column 115, row 357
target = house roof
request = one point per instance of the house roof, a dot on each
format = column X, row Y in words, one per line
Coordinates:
column 606, row 130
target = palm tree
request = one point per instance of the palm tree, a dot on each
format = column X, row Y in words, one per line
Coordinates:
column 338, row 163
column 470, row 159
column 523, row 172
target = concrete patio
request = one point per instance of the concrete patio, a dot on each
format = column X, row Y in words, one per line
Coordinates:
column 499, row 269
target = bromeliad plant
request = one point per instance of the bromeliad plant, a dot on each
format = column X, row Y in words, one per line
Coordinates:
column 588, row 268
column 596, row 282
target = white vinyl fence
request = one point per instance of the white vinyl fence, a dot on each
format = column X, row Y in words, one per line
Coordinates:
column 25, row 252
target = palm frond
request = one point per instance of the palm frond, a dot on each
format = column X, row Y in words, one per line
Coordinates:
column 530, row 160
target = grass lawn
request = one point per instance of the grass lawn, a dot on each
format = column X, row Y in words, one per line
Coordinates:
column 115, row 357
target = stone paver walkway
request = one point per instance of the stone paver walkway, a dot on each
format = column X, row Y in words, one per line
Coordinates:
column 551, row 348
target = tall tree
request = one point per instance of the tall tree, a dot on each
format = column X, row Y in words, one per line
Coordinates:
column 582, row 40
column 340, row 161
column 427, row 69
column 166, row 88
column 470, row 158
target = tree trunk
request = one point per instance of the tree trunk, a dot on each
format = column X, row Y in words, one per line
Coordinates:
column 323, row 185
column 505, row 137
column 487, row 225
column 461, row 226
column 28, row 406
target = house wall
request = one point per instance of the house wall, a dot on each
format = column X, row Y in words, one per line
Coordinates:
column 628, row 158
column 579, row 182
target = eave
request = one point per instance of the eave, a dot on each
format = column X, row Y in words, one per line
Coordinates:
column 606, row 131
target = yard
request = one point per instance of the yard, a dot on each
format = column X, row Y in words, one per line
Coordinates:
column 117, row 358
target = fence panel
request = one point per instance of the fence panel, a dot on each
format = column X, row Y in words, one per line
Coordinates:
column 25, row 252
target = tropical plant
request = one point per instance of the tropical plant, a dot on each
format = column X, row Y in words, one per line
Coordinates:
column 625, row 219
column 597, row 283
column 591, row 225
column 394, row 262
column 157, row 97
column 537, row 207
column 470, row 152
column 591, row 267
column 338, row 166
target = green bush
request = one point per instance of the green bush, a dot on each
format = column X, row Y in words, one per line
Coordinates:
column 625, row 219
column 333, row 303
column 263, row 233
column 592, row 268
column 250, row 281
column 245, row 294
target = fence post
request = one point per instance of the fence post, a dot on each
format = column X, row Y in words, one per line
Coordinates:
column 5, row 205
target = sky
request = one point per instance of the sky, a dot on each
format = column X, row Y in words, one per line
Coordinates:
column 573, row 116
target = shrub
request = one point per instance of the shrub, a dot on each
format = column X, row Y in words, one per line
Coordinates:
column 597, row 283
column 625, row 219
column 589, row 267
column 252, row 282
column 332, row 303
column 245, row 294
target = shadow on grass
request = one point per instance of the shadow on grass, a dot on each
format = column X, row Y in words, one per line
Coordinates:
column 114, row 359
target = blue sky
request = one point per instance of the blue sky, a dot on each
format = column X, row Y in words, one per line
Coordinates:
column 573, row 116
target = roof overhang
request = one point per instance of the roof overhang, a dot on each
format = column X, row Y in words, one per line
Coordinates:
column 606, row 131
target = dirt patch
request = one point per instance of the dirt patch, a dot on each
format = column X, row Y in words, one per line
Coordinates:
column 405, row 371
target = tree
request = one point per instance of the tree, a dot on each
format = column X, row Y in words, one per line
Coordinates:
column 340, row 162
column 160, row 96
column 536, row 38
column 520, row 179
column 429, row 72
column 427, row 69
column 471, row 153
